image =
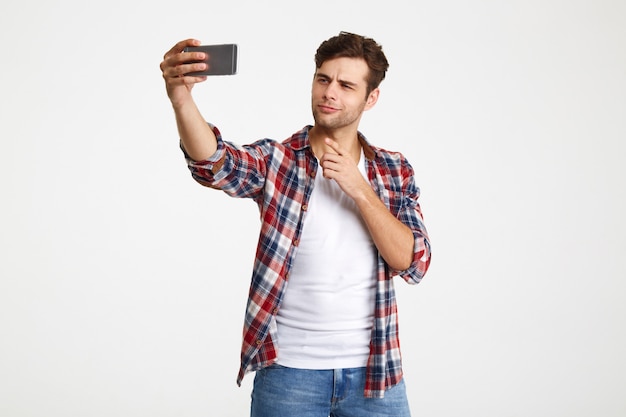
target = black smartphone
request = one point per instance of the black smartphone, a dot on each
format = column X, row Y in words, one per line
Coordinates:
column 221, row 59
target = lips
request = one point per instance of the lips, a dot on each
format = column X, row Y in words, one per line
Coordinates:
column 326, row 108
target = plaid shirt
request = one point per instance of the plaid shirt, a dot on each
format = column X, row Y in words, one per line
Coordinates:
column 279, row 177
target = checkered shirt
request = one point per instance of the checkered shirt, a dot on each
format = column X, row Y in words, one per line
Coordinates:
column 279, row 177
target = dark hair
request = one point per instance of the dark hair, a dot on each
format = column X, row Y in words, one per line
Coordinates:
column 350, row 45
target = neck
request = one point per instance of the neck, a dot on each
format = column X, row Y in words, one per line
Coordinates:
column 348, row 140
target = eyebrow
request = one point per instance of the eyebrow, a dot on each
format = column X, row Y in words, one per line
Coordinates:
column 350, row 83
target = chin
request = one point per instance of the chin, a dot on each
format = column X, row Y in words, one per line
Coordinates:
column 323, row 122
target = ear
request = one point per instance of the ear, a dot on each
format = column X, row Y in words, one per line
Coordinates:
column 372, row 99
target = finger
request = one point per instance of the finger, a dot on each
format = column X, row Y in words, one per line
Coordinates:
column 329, row 159
column 182, row 70
column 181, row 63
column 333, row 145
column 180, row 47
column 328, row 173
column 331, row 156
column 175, row 57
column 329, row 166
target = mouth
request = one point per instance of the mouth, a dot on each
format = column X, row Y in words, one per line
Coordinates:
column 324, row 108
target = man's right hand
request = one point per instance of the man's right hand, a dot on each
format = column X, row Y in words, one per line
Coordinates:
column 175, row 65
column 196, row 135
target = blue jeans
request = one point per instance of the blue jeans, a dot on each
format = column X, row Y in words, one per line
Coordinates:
column 286, row 392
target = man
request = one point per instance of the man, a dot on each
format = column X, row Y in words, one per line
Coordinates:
column 339, row 219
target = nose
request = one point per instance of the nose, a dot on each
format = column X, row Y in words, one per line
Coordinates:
column 330, row 92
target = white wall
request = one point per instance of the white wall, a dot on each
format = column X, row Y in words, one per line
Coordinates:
column 123, row 282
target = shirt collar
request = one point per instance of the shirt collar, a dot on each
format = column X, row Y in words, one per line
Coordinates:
column 300, row 140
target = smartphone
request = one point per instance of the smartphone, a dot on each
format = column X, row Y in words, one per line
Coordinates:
column 221, row 59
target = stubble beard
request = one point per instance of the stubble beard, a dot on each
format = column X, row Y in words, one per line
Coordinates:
column 335, row 121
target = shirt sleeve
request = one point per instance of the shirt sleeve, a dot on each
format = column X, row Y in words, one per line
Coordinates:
column 239, row 171
column 411, row 215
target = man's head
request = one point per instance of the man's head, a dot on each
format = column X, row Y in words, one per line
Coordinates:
column 349, row 69
column 349, row 45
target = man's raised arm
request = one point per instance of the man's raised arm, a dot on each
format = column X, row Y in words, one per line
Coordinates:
column 196, row 135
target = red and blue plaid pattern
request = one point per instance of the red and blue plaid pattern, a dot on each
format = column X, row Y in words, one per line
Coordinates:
column 279, row 178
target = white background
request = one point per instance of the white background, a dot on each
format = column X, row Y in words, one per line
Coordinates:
column 123, row 282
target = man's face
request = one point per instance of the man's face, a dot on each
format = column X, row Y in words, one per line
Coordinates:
column 338, row 95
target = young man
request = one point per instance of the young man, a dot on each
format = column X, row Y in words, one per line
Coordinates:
column 339, row 219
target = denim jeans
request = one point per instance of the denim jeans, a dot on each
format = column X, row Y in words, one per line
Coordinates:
column 286, row 392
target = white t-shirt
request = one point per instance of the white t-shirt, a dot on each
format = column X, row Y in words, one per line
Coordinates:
column 326, row 316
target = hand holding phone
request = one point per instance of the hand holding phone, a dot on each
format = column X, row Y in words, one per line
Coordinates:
column 220, row 60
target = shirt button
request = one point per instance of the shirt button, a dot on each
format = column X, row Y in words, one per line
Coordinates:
column 313, row 174
column 305, row 207
column 259, row 343
column 296, row 242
